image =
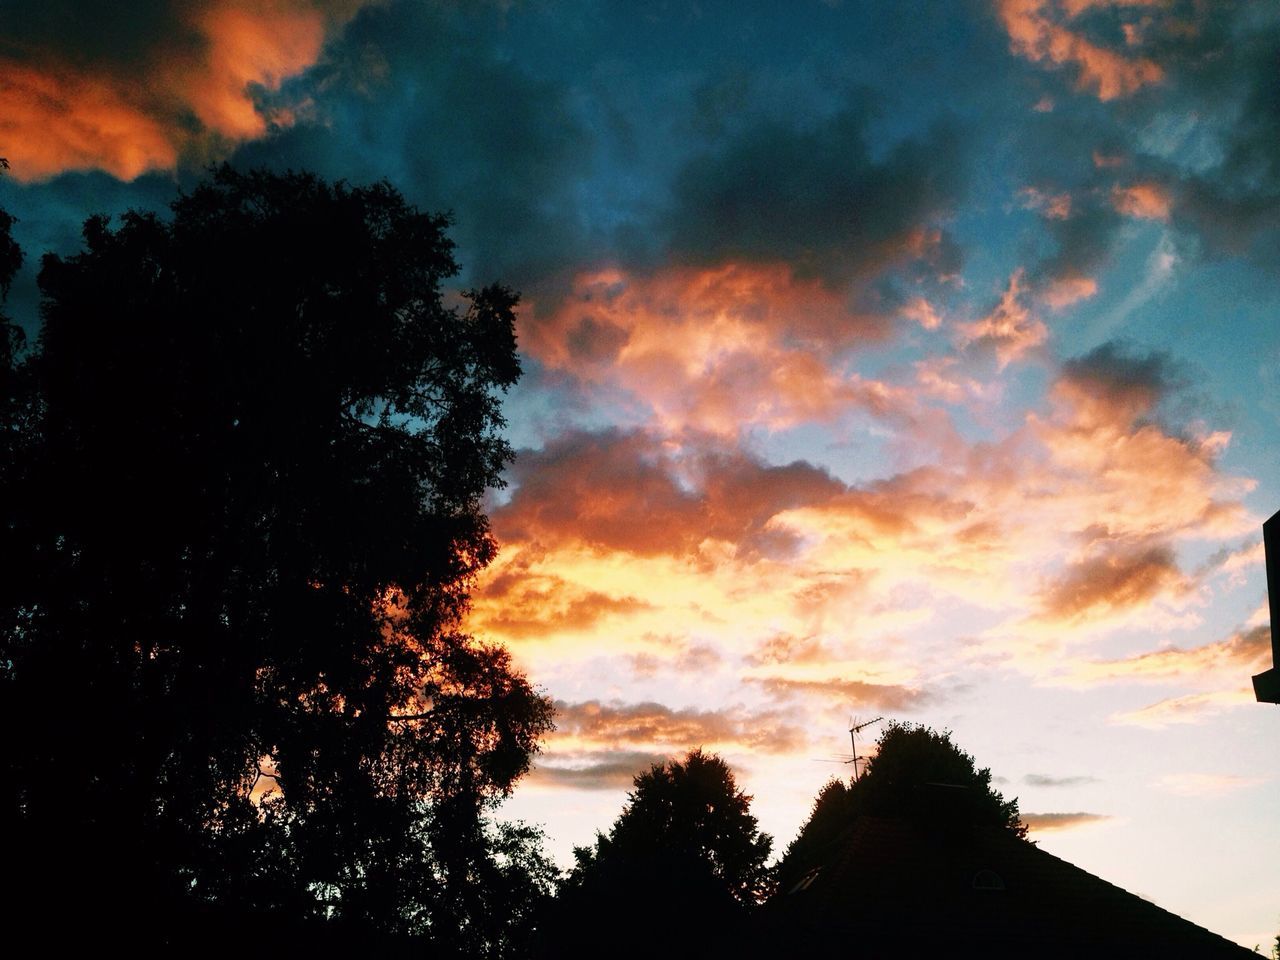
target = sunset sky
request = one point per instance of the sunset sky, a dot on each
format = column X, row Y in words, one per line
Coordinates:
column 883, row 358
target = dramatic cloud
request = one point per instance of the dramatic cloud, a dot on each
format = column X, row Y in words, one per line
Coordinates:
column 716, row 350
column 1125, row 385
column 895, row 358
column 630, row 492
column 1113, row 581
column 818, row 198
column 1230, row 192
column 1046, row 822
column 135, row 87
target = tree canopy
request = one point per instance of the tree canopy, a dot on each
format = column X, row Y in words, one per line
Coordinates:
column 916, row 773
column 685, row 849
column 244, row 510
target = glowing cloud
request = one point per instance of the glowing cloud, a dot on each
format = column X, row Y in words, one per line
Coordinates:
column 1010, row 329
column 715, row 349
column 1065, row 291
column 193, row 90
column 1114, row 580
column 1047, row 822
column 1034, row 33
column 1145, row 201
column 1239, row 654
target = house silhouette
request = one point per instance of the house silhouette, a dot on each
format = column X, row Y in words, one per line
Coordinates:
column 900, row 888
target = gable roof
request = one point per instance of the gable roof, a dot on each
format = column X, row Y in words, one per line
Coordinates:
column 898, row 888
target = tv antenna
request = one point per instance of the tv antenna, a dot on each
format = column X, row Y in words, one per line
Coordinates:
column 855, row 728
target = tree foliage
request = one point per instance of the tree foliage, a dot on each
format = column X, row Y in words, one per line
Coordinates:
column 685, row 848
column 688, row 811
column 916, row 773
column 245, row 518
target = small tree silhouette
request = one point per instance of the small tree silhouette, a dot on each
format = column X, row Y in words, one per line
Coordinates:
column 685, row 848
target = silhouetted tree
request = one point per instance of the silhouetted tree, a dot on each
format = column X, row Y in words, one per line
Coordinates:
column 916, row 773
column 685, row 852
column 253, row 452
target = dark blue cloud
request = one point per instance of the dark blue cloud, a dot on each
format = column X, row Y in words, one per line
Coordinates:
column 428, row 99
column 816, row 197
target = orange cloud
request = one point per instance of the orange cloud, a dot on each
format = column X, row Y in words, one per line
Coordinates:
column 52, row 123
column 248, row 44
column 1192, row 708
column 1239, row 655
column 592, row 725
column 1035, row 34
column 857, row 693
column 1096, row 481
column 541, row 603
column 646, row 548
column 633, row 493
column 714, row 349
column 941, row 378
column 786, row 648
column 184, row 96
column 1010, row 328
column 1068, row 290
column 922, row 312
column 1112, row 581
column 1145, row 201
column 1047, row 822
column 700, row 658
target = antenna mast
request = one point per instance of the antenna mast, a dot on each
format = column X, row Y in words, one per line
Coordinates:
column 856, row 728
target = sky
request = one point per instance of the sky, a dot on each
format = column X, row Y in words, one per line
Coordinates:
column 915, row 360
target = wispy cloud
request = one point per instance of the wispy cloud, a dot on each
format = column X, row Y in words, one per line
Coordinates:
column 593, row 724
column 1045, row 780
column 1191, row 708
column 1236, row 655
column 594, row 770
column 1205, row 784
column 854, row 693
column 1047, row 822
